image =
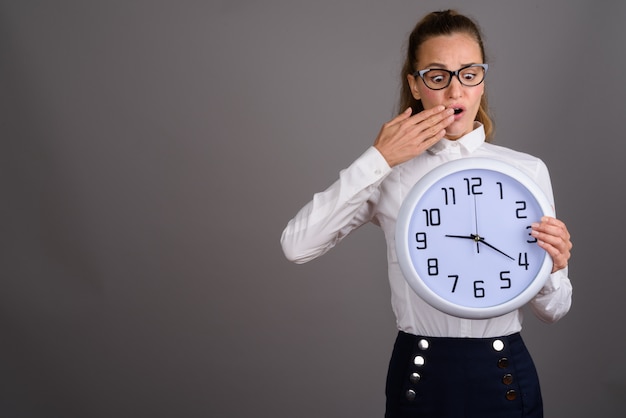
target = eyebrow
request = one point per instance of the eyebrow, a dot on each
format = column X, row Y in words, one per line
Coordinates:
column 440, row 65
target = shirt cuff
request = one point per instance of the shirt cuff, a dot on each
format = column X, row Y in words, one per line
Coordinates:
column 554, row 281
column 374, row 163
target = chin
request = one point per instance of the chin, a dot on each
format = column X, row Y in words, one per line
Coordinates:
column 454, row 134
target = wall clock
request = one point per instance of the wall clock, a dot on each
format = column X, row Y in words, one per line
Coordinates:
column 463, row 238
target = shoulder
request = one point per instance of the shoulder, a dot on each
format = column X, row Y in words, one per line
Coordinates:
column 528, row 163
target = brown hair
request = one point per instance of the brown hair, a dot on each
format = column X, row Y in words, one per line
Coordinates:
column 445, row 22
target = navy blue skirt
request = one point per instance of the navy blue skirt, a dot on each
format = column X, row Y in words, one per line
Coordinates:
column 462, row 377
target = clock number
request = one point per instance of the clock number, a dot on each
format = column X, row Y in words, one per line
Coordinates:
column 433, row 267
column 521, row 208
column 522, row 260
column 473, row 185
column 505, row 279
column 501, row 191
column 420, row 238
column 452, row 195
column 532, row 239
column 479, row 292
column 456, row 279
column 433, row 217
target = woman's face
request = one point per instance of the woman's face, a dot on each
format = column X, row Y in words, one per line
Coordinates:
column 450, row 52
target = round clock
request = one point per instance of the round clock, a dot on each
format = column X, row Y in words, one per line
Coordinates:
column 463, row 238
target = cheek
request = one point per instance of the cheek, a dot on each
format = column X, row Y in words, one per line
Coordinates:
column 430, row 98
column 478, row 97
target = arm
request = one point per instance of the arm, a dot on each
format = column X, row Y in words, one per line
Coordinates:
column 350, row 201
column 555, row 298
column 333, row 213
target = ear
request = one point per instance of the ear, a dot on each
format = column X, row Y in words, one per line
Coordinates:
column 412, row 80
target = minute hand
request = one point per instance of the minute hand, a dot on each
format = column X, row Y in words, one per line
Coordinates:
column 480, row 239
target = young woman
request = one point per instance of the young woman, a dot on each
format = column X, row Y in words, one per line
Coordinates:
column 466, row 368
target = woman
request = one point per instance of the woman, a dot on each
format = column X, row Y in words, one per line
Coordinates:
column 445, row 119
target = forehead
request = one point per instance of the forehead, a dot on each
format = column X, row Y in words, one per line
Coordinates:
column 451, row 51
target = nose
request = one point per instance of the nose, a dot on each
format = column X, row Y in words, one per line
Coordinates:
column 455, row 89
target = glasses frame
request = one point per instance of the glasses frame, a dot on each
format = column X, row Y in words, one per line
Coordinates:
column 456, row 74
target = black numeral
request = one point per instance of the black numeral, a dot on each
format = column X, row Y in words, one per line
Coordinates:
column 456, row 279
column 522, row 260
column 433, row 267
column 532, row 239
column 420, row 238
column 520, row 209
column 451, row 199
column 501, row 191
column 433, row 217
column 479, row 292
column 505, row 279
column 473, row 185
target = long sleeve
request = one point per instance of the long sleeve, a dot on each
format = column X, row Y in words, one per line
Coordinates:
column 554, row 299
column 332, row 214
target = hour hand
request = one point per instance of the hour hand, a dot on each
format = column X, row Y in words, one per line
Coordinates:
column 471, row 236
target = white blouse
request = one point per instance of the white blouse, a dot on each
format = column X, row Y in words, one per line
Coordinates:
column 370, row 191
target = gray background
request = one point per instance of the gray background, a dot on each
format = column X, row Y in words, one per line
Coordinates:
column 153, row 151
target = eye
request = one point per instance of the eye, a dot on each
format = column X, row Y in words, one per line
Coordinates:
column 469, row 75
column 437, row 77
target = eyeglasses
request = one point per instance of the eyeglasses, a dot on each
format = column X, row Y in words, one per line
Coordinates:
column 438, row 78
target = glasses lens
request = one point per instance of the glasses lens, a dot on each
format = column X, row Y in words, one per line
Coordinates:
column 436, row 79
column 472, row 76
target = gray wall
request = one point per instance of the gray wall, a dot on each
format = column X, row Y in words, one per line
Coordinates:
column 153, row 151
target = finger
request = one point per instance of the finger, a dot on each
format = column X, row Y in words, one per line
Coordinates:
column 557, row 245
column 433, row 114
column 433, row 128
column 562, row 244
column 559, row 259
column 399, row 118
column 551, row 227
column 552, row 234
column 549, row 220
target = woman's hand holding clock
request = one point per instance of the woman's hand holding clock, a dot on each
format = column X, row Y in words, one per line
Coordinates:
column 552, row 235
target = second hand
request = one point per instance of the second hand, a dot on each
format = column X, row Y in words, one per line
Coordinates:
column 476, row 224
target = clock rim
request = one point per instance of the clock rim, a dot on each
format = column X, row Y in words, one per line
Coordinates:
column 402, row 248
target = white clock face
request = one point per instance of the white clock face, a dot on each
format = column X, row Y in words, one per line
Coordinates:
column 464, row 241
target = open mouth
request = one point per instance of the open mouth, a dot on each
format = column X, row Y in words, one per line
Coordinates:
column 457, row 111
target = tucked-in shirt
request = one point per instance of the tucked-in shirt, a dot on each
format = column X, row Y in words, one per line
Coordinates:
column 371, row 191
